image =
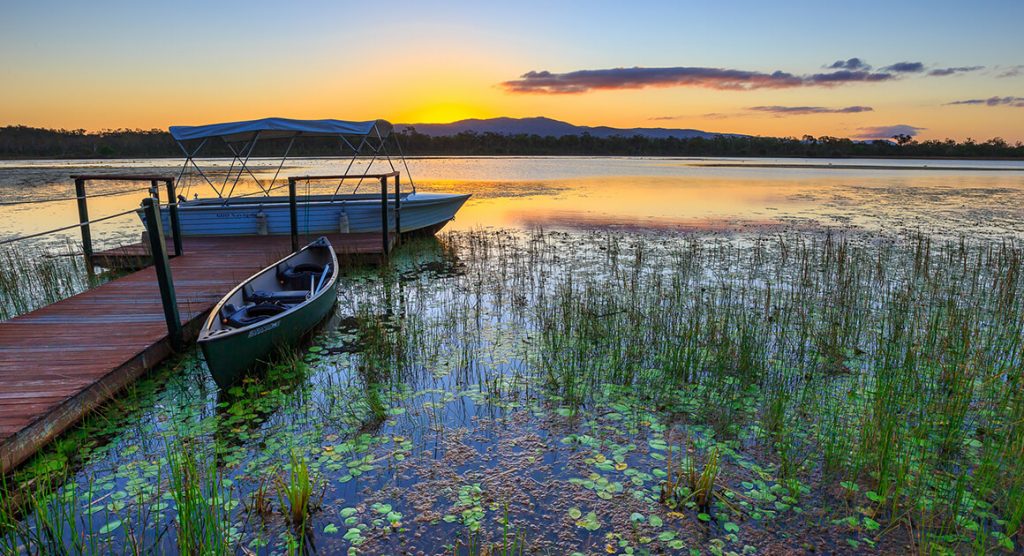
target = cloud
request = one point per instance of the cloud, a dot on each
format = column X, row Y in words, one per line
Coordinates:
column 851, row 64
column 905, row 67
column 950, row 71
column 802, row 110
column 887, row 131
column 845, row 76
column 637, row 78
column 1015, row 102
column 1012, row 71
column 582, row 81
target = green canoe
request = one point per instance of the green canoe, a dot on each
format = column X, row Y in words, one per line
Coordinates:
column 275, row 307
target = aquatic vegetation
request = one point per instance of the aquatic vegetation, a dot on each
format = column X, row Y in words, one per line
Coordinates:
column 32, row 277
column 202, row 502
column 296, row 492
column 494, row 384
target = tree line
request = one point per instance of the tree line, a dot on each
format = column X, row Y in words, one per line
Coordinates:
column 29, row 142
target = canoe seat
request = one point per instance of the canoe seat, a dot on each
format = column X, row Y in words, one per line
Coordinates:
column 299, row 276
column 286, row 296
column 238, row 317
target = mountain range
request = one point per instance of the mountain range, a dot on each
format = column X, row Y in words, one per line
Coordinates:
column 549, row 127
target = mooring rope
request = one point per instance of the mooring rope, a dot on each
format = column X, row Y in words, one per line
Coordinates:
column 65, row 228
column 55, row 199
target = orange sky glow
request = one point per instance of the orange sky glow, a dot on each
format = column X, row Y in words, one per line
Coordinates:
column 445, row 64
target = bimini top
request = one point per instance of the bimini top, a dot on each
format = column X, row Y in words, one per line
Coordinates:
column 273, row 128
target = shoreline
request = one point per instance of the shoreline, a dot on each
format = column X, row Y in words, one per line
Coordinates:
column 638, row 157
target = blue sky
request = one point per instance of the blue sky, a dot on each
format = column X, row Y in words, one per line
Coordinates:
column 152, row 64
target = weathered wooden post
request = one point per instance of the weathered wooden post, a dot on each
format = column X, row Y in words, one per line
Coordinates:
column 398, row 210
column 172, row 208
column 384, row 214
column 162, row 266
column 294, row 213
column 83, row 220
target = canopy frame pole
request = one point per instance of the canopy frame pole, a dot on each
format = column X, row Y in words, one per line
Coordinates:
column 383, row 145
column 181, row 173
column 368, row 166
column 279, row 166
column 355, row 154
column 245, row 165
column 227, row 175
column 189, row 158
column 404, row 162
column 362, row 142
column 347, row 142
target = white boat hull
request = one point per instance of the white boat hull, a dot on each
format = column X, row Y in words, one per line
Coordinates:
column 318, row 215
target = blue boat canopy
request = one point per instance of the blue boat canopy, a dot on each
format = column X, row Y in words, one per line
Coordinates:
column 273, row 128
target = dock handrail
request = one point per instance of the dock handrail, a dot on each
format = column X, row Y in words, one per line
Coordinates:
column 384, row 227
column 151, row 207
column 393, row 174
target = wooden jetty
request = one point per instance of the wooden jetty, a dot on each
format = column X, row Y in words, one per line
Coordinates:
column 61, row 361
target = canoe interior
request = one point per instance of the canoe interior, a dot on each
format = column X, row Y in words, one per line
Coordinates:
column 274, row 292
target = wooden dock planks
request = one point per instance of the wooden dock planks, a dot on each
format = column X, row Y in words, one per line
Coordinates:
column 61, row 361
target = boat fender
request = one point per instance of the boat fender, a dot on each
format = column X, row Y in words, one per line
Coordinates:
column 343, row 221
column 262, row 227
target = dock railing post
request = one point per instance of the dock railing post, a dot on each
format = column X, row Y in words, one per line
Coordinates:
column 172, row 208
column 162, row 265
column 83, row 219
column 293, row 213
column 398, row 210
column 384, row 214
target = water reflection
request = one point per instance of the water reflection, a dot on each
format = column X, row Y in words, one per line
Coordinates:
column 974, row 197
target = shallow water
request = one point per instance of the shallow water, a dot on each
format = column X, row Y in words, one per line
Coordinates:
column 427, row 412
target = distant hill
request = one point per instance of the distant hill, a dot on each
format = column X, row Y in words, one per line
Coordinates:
column 547, row 127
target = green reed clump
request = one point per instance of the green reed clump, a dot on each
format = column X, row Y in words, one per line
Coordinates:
column 31, row 278
column 202, row 501
column 295, row 492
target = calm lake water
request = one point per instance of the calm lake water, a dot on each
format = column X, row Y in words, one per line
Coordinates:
column 981, row 198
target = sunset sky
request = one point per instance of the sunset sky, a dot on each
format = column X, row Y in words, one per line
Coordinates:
column 854, row 69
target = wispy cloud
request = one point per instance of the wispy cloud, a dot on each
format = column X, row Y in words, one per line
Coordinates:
column 887, row 131
column 583, row 81
column 851, row 64
column 852, row 70
column 1015, row 102
column 905, row 67
column 950, row 71
column 1012, row 71
column 803, row 110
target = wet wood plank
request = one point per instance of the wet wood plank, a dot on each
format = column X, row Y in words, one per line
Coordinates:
column 61, row 361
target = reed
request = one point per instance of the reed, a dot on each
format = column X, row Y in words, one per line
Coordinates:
column 201, row 498
column 32, row 277
column 884, row 368
column 295, row 493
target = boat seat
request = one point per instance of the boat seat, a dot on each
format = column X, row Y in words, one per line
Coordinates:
column 239, row 317
column 285, row 296
column 299, row 276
